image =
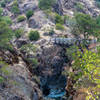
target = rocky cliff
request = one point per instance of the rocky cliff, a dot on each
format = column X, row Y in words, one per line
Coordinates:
column 35, row 79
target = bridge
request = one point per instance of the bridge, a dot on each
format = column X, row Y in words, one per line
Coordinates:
column 71, row 41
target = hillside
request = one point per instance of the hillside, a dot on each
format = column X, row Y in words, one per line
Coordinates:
column 49, row 50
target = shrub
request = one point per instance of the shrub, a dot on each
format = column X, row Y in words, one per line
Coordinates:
column 5, row 35
column 1, row 11
column 59, row 19
column 98, row 4
column 59, row 27
column 34, row 35
column 79, row 6
column 15, row 10
column 51, row 32
column 46, row 4
column 33, row 61
column 29, row 14
column 18, row 33
column 1, row 79
column 21, row 18
column 3, row 4
column 7, row 19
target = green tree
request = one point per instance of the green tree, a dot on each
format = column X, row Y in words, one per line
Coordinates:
column 34, row 35
column 59, row 19
column 19, row 32
column 85, row 25
column 46, row 4
column 29, row 14
column 87, row 65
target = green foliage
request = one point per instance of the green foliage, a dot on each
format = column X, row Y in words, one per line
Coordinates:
column 29, row 48
column 98, row 49
column 4, row 71
column 5, row 35
column 59, row 27
column 98, row 20
column 51, row 31
column 87, row 65
column 1, row 11
column 15, row 8
column 1, row 79
column 20, row 18
column 98, row 3
column 29, row 14
column 33, row 61
column 85, row 24
column 70, row 51
column 3, row 4
column 34, row 35
column 7, row 19
column 5, row 31
column 79, row 6
column 59, row 19
column 19, row 32
column 46, row 4
column 15, row 3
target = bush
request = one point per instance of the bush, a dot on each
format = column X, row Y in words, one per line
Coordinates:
column 29, row 14
column 59, row 19
column 1, row 11
column 46, row 4
column 33, row 61
column 59, row 27
column 98, row 4
column 7, row 19
column 79, row 6
column 21, row 18
column 34, row 35
column 1, row 79
column 15, row 10
column 18, row 33
column 51, row 32
column 3, row 4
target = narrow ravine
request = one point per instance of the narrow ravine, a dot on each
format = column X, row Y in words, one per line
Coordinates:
column 52, row 81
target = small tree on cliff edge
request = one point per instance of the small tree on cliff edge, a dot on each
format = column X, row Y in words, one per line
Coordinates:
column 85, row 25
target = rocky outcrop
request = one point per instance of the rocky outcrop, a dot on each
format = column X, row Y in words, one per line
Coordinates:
column 89, row 7
column 29, row 5
column 19, row 84
column 33, row 23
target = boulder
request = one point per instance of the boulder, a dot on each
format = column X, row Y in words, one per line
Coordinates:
column 28, row 6
column 33, row 23
column 21, row 42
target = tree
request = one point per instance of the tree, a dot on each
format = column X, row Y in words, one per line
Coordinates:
column 85, row 24
column 87, row 65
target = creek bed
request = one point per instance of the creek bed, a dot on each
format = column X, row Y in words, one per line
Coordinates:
column 53, row 87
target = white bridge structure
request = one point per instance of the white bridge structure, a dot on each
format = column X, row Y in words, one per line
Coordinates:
column 70, row 41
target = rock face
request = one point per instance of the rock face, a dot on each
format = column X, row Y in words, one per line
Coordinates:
column 33, row 23
column 21, row 41
column 20, row 86
column 50, row 68
column 89, row 7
